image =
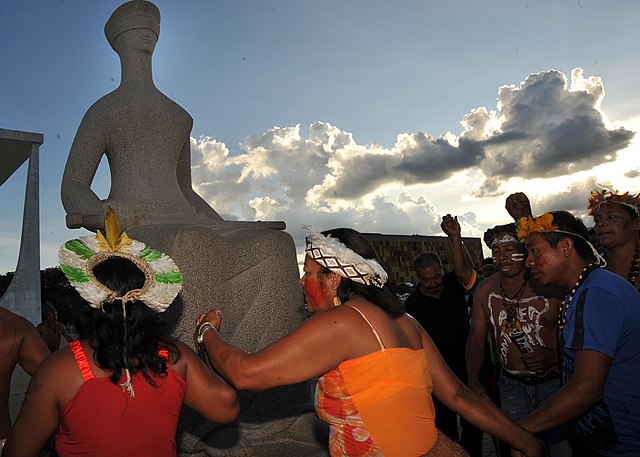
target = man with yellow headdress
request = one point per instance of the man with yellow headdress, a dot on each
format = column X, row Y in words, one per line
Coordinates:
column 599, row 339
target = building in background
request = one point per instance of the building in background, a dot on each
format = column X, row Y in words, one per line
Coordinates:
column 23, row 294
column 398, row 251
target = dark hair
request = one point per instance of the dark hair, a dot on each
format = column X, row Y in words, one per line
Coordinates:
column 382, row 297
column 570, row 227
column 487, row 261
column 632, row 212
column 426, row 259
column 146, row 331
column 492, row 233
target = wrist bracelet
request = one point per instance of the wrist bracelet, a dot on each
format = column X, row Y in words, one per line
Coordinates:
column 201, row 331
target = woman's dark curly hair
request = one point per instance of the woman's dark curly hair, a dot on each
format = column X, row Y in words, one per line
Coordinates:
column 146, row 331
column 382, row 297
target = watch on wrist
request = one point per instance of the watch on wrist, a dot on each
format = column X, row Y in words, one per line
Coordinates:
column 201, row 331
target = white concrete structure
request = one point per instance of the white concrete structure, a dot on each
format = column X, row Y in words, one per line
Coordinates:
column 23, row 295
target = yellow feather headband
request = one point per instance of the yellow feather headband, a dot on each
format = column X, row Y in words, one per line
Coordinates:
column 528, row 225
column 544, row 223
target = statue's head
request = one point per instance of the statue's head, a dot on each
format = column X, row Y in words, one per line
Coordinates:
column 136, row 14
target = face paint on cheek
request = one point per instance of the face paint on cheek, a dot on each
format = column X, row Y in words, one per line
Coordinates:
column 517, row 257
column 313, row 288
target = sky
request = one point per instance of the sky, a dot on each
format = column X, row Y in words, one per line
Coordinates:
column 377, row 115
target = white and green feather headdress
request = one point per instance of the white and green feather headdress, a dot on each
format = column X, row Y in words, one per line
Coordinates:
column 78, row 257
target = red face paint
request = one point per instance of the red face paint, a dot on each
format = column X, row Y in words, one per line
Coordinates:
column 315, row 290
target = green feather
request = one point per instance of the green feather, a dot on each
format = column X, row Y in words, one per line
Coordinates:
column 173, row 277
column 149, row 254
column 74, row 274
column 78, row 248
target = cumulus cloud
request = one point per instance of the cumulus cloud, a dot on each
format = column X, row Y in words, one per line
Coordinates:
column 542, row 127
column 573, row 199
column 549, row 129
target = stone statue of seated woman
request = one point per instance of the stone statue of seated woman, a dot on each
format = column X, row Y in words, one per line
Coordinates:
column 247, row 268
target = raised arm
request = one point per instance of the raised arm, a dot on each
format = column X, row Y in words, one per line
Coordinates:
column 518, row 205
column 462, row 264
column 84, row 208
column 207, row 393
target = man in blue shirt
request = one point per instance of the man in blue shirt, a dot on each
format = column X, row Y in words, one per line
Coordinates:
column 599, row 339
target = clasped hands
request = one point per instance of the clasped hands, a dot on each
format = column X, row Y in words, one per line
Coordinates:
column 541, row 360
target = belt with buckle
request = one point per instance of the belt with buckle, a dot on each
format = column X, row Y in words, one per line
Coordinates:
column 532, row 380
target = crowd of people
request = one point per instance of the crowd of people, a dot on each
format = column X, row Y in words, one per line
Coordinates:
column 539, row 347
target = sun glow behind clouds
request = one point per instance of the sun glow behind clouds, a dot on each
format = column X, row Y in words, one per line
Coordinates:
column 544, row 138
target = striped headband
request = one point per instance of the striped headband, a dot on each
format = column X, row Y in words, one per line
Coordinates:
column 334, row 255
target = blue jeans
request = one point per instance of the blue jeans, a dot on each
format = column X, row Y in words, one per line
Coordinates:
column 518, row 400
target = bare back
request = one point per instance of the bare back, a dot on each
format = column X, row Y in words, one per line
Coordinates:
column 21, row 344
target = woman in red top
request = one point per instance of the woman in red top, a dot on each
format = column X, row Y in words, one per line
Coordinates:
column 120, row 388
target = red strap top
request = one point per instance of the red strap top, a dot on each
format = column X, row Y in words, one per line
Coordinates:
column 81, row 360
column 102, row 420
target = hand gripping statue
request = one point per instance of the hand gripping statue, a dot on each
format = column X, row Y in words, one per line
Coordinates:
column 247, row 268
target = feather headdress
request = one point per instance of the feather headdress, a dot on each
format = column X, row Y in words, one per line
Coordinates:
column 607, row 196
column 544, row 223
column 337, row 257
column 78, row 257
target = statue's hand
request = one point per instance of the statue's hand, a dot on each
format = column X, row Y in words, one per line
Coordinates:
column 89, row 221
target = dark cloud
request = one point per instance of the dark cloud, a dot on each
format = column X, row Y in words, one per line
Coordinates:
column 541, row 128
column 549, row 129
column 433, row 160
column 633, row 173
column 490, row 187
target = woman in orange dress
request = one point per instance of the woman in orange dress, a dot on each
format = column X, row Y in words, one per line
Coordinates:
column 376, row 365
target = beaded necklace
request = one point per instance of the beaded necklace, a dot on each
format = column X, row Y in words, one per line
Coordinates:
column 566, row 303
column 634, row 268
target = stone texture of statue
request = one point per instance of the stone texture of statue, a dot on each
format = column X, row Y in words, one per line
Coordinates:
column 248, row 269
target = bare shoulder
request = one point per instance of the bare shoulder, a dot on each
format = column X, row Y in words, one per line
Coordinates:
column 344, row 322
column 14, row 319
column 58, row 374
column 409, row 325
column 14, row 325
column 186, row 357
column 487, row 286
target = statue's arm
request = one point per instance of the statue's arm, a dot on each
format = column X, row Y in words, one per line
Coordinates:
column 84, row 208
column 184, row 181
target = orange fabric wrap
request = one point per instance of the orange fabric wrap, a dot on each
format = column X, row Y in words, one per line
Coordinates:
column 391, row 393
